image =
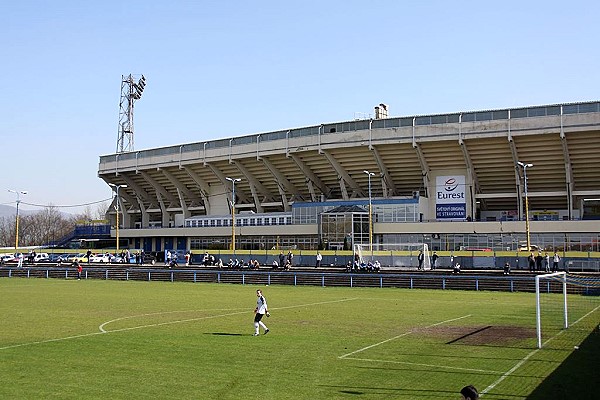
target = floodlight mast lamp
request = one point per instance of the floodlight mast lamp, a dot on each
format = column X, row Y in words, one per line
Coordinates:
column 370, row 174
column 233, row 181
column 131, row 90
column 117, row 208
column 525, row 166
column 18, row 193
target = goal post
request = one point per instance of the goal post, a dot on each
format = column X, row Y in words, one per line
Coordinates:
column 567, row 306
column 547, row 279
column 402, row 255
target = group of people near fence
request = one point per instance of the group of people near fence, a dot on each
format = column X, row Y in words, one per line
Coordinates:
column 541, row 262
column 361, row 266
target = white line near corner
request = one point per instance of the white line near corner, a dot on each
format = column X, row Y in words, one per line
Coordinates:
column 528, row 356
column 402, row 335
column 103, row 331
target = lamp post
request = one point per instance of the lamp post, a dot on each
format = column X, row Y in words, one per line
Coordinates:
column 233, row 181
column 117, row 208
column 525, row 166
column 18, row 193
column 370, row 174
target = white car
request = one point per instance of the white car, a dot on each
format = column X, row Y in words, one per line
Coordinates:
column 101, row 258
column 7, row 257
column 41, row 257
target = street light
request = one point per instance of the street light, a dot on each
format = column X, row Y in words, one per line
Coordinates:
column 370, row 174
column 525, row 166
column 117, row 208
column 233, row 181
column 18, row 193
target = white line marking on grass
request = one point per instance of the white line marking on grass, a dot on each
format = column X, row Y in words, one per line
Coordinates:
column 101, row 327
column 528, row 356
column 402, row 335
column 425, row 365
column 102, row 331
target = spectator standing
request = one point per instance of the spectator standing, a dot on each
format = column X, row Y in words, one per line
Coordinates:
column 79, row 269
column 469, row 393
column 142, row 256
column 538, row 261
column 187, row 259
column 290, row 258
column 319, row 259
column 167, row 257
column 260, row 311
column 547, row 262
column 281, row 259
column 434, row 259
column 555, row 261
column 20, row 260
column 421, row 258
column 88, row 255
column 531, row 262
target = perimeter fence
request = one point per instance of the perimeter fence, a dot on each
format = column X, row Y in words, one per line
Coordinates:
column 508, row 283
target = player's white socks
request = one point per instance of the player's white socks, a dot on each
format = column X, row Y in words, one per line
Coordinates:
column 263, row 326
column 256, row 328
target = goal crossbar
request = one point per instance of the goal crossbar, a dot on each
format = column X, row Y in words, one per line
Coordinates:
column 558, row 276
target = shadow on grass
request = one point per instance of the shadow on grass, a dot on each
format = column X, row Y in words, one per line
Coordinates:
column 577, row 377
column 223, row 334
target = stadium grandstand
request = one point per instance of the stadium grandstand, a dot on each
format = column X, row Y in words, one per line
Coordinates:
column 457, row 182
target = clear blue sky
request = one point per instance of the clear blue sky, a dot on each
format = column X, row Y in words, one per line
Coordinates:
column 218, row 69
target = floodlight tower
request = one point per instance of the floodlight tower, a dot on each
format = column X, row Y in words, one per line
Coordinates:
column 131, row 90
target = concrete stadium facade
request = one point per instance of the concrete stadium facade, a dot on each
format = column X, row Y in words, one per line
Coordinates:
column 452, row 181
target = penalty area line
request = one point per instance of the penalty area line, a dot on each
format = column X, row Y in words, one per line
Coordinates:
column 402, row 335
column 426, row 365
column 103, row 331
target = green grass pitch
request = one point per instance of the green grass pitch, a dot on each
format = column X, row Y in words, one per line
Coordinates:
column 93, row 339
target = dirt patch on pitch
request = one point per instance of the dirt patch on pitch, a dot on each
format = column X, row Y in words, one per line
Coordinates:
column 480, row 335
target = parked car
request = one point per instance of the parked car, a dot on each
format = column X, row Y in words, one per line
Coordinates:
column 41, row 257
column 10, row 257
column 101, row 258
column 81, row 257
column 532, row 247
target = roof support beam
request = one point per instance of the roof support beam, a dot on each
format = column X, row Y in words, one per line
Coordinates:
column 182, row 190
column 282, row 181
column 568, row 172
column 202, row 185
column 158, row 188
column 140, row 193
column 515, row 157
column 472, row 176
column 344, row 178
column 424, row 166
column 241, row 195
column 389, row 188
column 311, row 178
column 256, row 187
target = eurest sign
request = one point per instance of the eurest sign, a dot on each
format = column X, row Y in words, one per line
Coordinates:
column 450, row 198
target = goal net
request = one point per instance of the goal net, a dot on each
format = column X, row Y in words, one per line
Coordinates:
column 567, row 308
column 403, row 255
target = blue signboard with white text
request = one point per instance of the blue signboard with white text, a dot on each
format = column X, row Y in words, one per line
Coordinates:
column 450, row 197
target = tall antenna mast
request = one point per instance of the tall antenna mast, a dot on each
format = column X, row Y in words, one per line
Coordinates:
column 131, row 90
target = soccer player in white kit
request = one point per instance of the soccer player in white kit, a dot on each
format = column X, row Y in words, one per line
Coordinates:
column 260, row 310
